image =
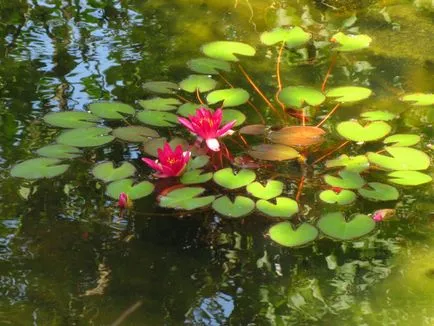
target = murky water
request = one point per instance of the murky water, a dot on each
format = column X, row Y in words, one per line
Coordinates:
column 64, row 259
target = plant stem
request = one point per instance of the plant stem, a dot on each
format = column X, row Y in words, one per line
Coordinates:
column 300, row 188
column 198, row 96
column 331, row 152
column 183, row 98
column 328, row 115
column 279, row 80
column 332, row 64
column 303, row 118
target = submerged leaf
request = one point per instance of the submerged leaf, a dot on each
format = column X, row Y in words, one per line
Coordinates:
column 107, row 172
column 160, row 104
column 59, row 151
column 208, row 66
column 293, row 37
column 86, row 137
column 71, row 119
column 352, row 130
column 347, row 94
column 224, row 50
column 163, row 87
column 298, row 96
column 240, row 207
column 402, row 158
column 230, row 97
column 133, row 191
column 286, row 235
column 334, row 225
column 38, row 168
column 201, row 83
column 111, row 110
column 270, row 152
column 349, row 43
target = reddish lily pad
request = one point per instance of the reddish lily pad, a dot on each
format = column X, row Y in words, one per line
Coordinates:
column 298, row 136
column 270, row 152
column 253, row 130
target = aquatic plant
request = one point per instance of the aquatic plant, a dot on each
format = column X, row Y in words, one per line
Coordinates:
column 269, row 165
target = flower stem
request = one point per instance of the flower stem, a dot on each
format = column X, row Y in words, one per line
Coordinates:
column 300, row 188
column 198, row 97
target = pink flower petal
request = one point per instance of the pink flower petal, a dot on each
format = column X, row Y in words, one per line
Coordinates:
column 213, row 144
column 186, row 124
column 153, row 164
column 226, row 129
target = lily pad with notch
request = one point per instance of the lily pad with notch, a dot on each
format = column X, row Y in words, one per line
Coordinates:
column 198, row 162
column 39, row 168
column 111, row 110
column 352, row 130
column 273, row 152
column 160, row 104
column 59, row 151
column 136, row 134
column 335, row 226
column 293, row 37
column 344, row 197
column 283, row 208
column 106, row 171
column 402, row 140
column 162, row 87
column 195, row 177
column 71, row 119
column 379, row 192
column 225, row 50
column 187, row 198
column 228, row 179
column 401, row 158
column 346, row 180
column 199, row 83
column 208, row 66
column 272, row 189
column 230, row 115
column 419, row 99
column 299, row 137
column 298, row 96
column 348, row 43
column 346, row 94
column 409, row 178
column 286, row 235
column 240, row 207
column 230, row 97
column 357, row 163
column 378, row 116
column 86, row 137
column 127, row 186
column 157, row 118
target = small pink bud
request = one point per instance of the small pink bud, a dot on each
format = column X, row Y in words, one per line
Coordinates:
column 124, row 201
column 383, row 214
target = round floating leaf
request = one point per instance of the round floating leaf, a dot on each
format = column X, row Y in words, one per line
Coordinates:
column 107, row 172
column 284, row 207
column 286, row 235
column 160, row 104
column 344, row 197
column 186, row 198
column 208, row 66
column 350, row 163
column 195, row 176
column 419, row 99
column 227, row 178
column 298, row 96
column 198, row 162
column 272, row 189
column 38, row 168
column 334, row 225
column 230, row 115
column 162, row 87
column 293, row 37
column 402, row 140
column 139, row 190
column 71, row 119
column 269, row 152
column 347, row 180
column 298, row 136
column 349, row 43
column 378, row 116
column 86, row 137
column 409, row 178
column 198, row 82
column 241, row 206
column 224, row 50
column 230, row 97
column 157, row 118
column 253, row 130
column 379, row 192
column 352, row 130
column 188, row 109
column 137, row 134
column 59, row 151
column 151, row 147
column 349, row 94
column 402, row 158
column 111, row 110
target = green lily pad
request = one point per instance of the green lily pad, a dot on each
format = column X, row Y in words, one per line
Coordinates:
column 402, row 140
column 378, row 116
column 198, row 162
column 71, row 119
column 347, row 180
column 195, row 176
column 271, row 152
column 137, row 134
column 59, row 151
column 349, row 43
column 230, row 97
column 352, row 130
column 357, row 163
column 284, row 207
column 298, row 96
column 227, row 178
column 419, row 99
column 208, row 66
column 107, row 172
column 162, row 87
column 198, row 82
column 347, row 94
column 151, row 147
column 272, row 189
column 345, row 197
column 409, row 178
column 157, row 118
column 134, row 191
column 402, row 158
column 225, row 50
column 379, row 192
column 230, row 115
column 286, row 235
column 186, row 198
column 160, row 104
column 293, row 37
column 188, row 109
column 86, row 137
column 240, row 207
column 111, row 110
column 335, row 226
column 38, row 168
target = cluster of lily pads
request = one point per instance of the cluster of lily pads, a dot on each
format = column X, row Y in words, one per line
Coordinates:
column 236, row 185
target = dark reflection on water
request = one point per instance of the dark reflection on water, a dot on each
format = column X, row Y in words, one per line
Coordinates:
column 65, row 256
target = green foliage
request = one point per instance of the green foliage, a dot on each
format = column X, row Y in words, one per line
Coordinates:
column 335, row 226
column 135, row 134
column 86, row 137
column 225, row 50
column 298, row 96
column 344, row 197
column 160, row 104
column 352, row 130
column 162, row 87
column 106, row 171
column 195, row 177
column 240, row 207
column 293, row 37
column 186, row 198
column 402, row 158
column 39, row 168
column 283, row 208
column 198, row 82
column 348, row 94
column 286, row 235
column 157, row 118
column 208, row 66
column 409, row 178
column 230, row 97
column 379, row 192
column 111, row 110
column 71, row 119
column 377, row 116
column 402, row 140
column 59, row 151
column 419, row 99
column 348, row 43
column 272, row 188
column 357, row 163
column 230, row 115
column 127, row 186
column 346, row 180
column 231, row 180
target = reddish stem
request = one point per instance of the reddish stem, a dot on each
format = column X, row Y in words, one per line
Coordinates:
column 328, row 115
column 300, row 188
column 331, row 152
column 332, row 64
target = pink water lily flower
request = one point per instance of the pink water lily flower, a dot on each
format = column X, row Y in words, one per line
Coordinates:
column 206, row 126
column 169, row 163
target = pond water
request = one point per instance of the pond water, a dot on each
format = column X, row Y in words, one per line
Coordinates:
column 66, row 256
